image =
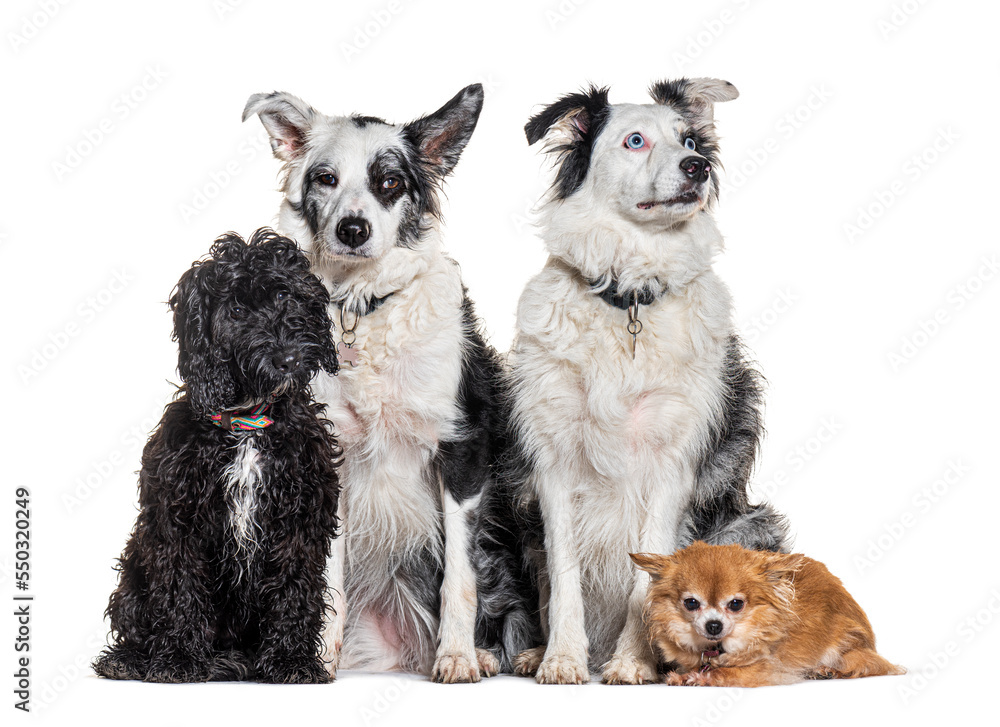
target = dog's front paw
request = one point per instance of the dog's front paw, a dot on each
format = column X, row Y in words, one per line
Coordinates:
column 120, row 663
column 309, row 670
column 689, row 679
column 563, row 669
column 628, row 670
column 455, row 669
column 186, row 673
column 489, row 666
column 527, row 662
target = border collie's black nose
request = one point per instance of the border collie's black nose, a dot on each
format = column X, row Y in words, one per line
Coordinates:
column 286, row 361
column 354, row 231
column 696, row 168
column 714, row 628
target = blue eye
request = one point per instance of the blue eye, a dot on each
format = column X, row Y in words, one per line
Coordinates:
column 690, row 143
column 635, row 140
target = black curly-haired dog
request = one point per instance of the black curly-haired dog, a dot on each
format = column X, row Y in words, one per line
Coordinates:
column 223, row 575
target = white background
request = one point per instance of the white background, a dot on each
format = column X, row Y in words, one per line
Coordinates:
column 882, row 425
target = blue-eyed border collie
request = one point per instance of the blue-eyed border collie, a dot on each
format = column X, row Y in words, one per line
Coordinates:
column 636, row 412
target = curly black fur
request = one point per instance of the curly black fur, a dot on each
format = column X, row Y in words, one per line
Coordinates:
column 195, row 601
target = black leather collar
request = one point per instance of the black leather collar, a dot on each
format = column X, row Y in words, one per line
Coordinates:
column 366, row 307
column 617, row 298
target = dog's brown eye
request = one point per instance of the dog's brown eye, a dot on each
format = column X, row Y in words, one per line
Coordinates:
column 236, row 312
column 735, row 605
column 390, row 183
column 327, row 179
column 281, row 295
column 691, row 604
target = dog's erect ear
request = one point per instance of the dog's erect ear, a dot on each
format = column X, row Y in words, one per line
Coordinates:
column 209, row 384
column 573, row 122
column 694, row 97
column 440, row 137
column 287, row 119
column 656, row 565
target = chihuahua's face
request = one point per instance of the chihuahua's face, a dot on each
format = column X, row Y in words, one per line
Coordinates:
column 712, row 597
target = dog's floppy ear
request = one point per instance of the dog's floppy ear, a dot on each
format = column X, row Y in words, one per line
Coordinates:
column 209, row 384
column 440, row 137
column 656, row 565
column 287, row 119
column 574, row 122
column 693, row 96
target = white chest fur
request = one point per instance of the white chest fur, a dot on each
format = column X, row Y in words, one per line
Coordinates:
column 243, row 479
column 624, row 426
column 391, row 411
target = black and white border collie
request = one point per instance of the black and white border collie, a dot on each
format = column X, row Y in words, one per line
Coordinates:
column 417, row 402
column 636, row 412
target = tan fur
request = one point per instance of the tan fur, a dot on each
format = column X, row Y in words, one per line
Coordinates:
column 798, row 621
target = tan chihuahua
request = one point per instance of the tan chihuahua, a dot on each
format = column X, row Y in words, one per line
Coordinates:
column 727, row 616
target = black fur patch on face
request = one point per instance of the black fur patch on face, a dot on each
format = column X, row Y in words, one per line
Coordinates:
column 390, row 177
column 313, row 194
column 363, row 121
column 589, row 111
column 674, row 95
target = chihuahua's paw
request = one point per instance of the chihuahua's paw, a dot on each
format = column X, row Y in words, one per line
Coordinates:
column 455, row 669
column 689, row 679
column 563, row 669
column 527, row 662
column 628, row 670
column 489, row 665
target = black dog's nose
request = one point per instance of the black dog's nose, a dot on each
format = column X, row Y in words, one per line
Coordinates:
column 286, row 362
column 714, row 628
column 696, row 168
column 354, row 231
